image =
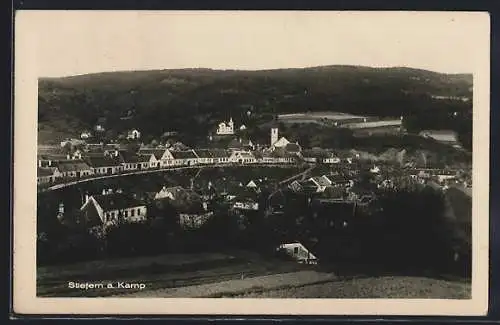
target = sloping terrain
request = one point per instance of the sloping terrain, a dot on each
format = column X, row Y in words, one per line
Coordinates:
column 162, row 100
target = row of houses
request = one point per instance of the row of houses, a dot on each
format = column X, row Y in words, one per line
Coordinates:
column 114, row 161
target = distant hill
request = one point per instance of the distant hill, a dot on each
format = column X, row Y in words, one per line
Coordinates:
column 195, row 99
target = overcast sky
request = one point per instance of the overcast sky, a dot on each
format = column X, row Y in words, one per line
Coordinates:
column 79, row 42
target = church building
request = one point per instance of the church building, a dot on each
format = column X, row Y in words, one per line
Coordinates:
column 226, row 128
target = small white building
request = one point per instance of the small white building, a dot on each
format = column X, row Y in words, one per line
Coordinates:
column 133, row 134
column 85, row 135
column 111, row 208
column 242, row 157
column 299, row 252
column 226, row 128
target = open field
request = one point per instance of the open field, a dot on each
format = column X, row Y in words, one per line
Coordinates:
column 240, row 286
column 236, row 274
column 377, row 287
column 166, row 272
column 319, row 117
column 375, row 124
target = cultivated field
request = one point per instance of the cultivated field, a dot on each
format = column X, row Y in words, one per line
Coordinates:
column 319, row 117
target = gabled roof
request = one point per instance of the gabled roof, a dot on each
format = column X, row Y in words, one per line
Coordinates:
column 314, row 154
column 92, row 154
column 116, row 201
column 292, row 147
column 184, row 154
column 281, row 142
column 220, row 153
column 186, row 200
column 244, row 154
column 52, row 157
column 72, row 166
column 158, row 153
column 130, row 157
column 41, row 172
column 179, row 146
column 97, row 162
column 204, row 153
column 144, row 157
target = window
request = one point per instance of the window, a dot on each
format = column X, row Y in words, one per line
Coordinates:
column 132, row 212
column 112, row 215
column 138, row 211
column 295, row 250
column 126, row 214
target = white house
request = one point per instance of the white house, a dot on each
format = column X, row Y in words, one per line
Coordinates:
column 85, row 135
column 226, row 128
column 73, row 169
column 151, row 159
column 246, row 205
column 104, row 165
column 299, row 252
column 184, row 157
column 243, row 127
column 112, row 208
column 133, row 134
column 321, row 183
column 169, row 192
column 162, row 157
column 242, row 157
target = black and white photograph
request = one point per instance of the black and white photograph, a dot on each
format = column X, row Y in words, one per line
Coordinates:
column 308, row 158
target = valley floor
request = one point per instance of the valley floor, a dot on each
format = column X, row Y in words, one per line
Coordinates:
column 236, row 275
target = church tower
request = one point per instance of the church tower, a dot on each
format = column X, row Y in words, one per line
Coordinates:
column 274, row 135
column 230, row 125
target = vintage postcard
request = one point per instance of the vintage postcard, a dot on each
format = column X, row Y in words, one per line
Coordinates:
column 251, row 163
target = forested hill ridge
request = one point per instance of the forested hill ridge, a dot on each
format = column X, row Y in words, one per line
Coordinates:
column 195, row 100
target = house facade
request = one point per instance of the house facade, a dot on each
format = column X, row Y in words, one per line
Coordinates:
column 45, row 175
column 226, row 128
column 184, row 158
column 242, row 157
column 112, row 208
column 104, row 165
column 162, row 157
column 205, row 156
column 72, row 169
